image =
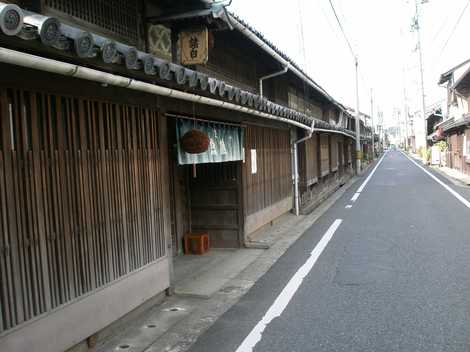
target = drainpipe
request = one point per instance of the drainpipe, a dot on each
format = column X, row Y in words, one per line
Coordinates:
column 296, row 169
column 284, row 70
column 270, row 51
column 296, row 161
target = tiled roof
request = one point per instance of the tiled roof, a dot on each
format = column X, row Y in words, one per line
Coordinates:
column 452, row 124
column 86, row 45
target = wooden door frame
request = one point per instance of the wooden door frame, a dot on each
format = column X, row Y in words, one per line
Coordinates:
column 241, row 204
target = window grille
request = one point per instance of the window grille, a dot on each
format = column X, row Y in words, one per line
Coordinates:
column 119, row 17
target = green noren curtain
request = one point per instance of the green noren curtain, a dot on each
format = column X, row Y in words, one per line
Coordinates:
column 226, row 142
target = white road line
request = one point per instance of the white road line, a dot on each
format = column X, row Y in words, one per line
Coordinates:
column 349, row 206
column 287, row 292
column 361, row 188
column 454, row 193
column 355, row 196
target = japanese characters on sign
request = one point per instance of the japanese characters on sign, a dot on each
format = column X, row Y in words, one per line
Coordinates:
column 194, row 45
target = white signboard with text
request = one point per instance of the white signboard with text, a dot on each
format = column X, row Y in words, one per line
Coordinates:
column 254, row 166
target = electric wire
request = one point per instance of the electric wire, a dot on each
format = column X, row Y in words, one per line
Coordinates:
column 347, row 41
column 455, row 26
column 342, row 29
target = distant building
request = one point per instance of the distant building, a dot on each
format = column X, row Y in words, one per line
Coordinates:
column 455, row 126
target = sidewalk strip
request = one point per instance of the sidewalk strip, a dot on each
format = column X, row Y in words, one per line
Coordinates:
column 454, row 193
column 288, row 291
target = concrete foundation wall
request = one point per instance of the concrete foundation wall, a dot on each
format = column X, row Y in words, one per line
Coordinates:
column 81, row 319
column 317, row 193
column 255, row 221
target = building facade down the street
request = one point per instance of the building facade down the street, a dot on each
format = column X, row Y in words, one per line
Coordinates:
column 99, row 180
column 434, row 129
column 456, row 125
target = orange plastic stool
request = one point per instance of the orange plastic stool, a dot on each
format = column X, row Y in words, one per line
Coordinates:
column 201, row 240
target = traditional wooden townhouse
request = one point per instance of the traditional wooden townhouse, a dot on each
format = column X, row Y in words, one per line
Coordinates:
column 327, row 160
column 366, row 139
column 434, row 126
column 435, row 135
column 456, row 125
column 126, row 125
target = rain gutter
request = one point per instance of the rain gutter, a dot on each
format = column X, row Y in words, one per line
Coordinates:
column 18, row 58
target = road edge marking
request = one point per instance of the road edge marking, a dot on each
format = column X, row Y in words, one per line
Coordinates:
column 361, row 187
column 447, row 187
column 355, row 196
column 287, row 293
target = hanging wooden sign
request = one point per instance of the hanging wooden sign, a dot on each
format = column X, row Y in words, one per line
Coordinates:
column 194, row 46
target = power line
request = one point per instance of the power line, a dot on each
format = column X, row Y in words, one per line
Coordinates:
column 349, row 44
column 441, row 28
column 302, row 37
column 342, row 29
column 455, row 26
column 357, row 118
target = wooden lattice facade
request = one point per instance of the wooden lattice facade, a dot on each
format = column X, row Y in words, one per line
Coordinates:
column 80, row 198
column 309, row 171
column 269, row 183
column 120, row 18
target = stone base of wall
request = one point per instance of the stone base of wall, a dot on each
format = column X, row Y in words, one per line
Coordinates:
column 92, row 315
column 317, row 193
column 255, row 221
column 101, row 337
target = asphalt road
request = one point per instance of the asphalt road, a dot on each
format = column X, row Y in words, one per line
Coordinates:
column 395, row 275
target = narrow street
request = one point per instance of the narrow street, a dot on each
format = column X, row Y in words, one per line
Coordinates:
column 234, row 176
column 393, row 274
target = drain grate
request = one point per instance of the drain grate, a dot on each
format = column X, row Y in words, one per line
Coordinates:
column 230, row 289
column 174, row 309
column 124, row 347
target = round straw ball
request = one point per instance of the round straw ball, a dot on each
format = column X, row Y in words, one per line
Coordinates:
column 195, row 141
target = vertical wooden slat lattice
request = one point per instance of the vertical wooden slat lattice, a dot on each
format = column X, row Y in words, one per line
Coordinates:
column 324, row 155
column 272, row 181
column 80, row 198
column 120, row 17
column 334, row 153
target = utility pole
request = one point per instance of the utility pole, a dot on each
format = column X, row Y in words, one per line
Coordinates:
column 372, row 122
column 400, row 128
column 358, row 123
column 406, row 127
column 405, row 108
column 381, row 128
column 356, row 63
column 417, row 27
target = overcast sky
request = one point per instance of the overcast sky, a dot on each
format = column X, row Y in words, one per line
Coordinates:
column 380, row 33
